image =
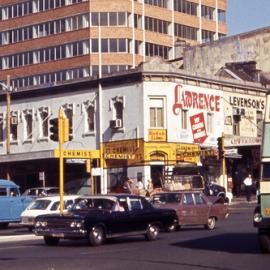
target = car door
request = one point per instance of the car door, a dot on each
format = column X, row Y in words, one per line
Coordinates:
column 119, row 222
column 186, row 210
column 140, row 217
column 201, row 209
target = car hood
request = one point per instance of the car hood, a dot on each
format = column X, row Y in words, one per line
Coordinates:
column 74, row 214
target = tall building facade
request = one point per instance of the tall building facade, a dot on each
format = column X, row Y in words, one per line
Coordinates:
column 43, row 42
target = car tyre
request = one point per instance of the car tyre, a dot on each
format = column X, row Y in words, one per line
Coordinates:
column 51, row 241
column 152, row 232
column 211, row 223
column 264, row 242
column 4, row 225
column 96, row 236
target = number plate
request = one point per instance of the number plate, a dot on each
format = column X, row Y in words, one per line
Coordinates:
column 267, row 211
column 60, row 235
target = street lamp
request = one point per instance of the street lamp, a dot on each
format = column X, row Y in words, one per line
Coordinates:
column 8, row 89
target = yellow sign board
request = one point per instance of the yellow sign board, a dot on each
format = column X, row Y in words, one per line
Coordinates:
column 157, row 135
column 78, row 153
column 119, row 156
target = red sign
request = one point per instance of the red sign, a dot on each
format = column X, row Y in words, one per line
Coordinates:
column 198, row 128
column 189, row 99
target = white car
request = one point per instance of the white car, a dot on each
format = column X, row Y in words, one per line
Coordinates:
column 45, row 205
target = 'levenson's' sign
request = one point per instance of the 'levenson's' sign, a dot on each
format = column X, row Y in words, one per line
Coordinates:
column 194, row 100
column 247, row 103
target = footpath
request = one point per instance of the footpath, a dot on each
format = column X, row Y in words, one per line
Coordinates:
column 243, row 200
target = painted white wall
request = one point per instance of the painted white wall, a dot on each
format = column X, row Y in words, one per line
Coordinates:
column 172, row 121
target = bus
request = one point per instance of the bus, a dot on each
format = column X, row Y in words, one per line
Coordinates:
column 261, row 217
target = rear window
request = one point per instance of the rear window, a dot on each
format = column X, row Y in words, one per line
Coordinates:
column 40, row 205
column 167, row 198
column 3, row 192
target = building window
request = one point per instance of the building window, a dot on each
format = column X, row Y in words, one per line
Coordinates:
column 207, row 12
column 14, row 127
column 222, row 15
column 236, row 124
column 117, row 106
column 157, row 113
column 28, row 124
column 1, row 127
column 158, row 3
column 185, row 6
column 210, row 117
column 89, row 108
column 44, row 122
column 185, row 31
column 207, row 36
column 184, row 119
column 68, row 111
column 259, row 118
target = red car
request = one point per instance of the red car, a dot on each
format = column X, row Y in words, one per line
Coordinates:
column 193, row 208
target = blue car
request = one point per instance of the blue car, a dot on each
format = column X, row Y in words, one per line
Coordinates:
column 11, row 202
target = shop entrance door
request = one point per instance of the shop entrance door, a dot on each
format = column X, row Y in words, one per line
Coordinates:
column 157, row 175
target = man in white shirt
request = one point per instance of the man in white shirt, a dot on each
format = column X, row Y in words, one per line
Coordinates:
column 248, row 186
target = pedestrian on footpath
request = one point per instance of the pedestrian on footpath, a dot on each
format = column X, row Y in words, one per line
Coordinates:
column 127, row 187
column 248, row 186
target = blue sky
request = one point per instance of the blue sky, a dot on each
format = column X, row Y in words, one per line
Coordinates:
column 247, row 15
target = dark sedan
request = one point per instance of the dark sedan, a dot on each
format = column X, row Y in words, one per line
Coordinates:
column 97, row 218
column 193, row 207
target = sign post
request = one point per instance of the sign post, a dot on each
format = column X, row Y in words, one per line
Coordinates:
column 61, row 159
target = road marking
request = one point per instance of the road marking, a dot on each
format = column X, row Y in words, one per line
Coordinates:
column 15, row 238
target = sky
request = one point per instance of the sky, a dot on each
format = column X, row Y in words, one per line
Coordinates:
column 247, row 15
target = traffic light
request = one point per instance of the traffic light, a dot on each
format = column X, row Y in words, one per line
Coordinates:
column 220, row 144
column 70, row 131
column 54, row 129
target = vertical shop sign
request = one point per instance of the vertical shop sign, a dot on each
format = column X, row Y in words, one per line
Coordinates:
column 198, row 128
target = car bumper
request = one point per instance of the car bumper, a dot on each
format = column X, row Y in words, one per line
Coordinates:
column 68, row 234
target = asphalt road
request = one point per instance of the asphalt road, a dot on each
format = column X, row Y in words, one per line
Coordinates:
column 231, row 246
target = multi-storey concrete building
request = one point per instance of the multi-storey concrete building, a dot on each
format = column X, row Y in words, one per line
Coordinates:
column 43, row 42
column 141, row 122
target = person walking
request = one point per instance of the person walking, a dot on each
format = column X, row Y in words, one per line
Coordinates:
column 127, row 186
column 248, row 186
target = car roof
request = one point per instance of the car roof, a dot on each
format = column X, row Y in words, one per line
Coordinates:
column 7, row 183
column 42, row 188
column 57, row 197
column 178, row 192
column 113, row 197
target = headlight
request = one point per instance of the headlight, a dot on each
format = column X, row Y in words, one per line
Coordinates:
column 257, row 217
column 76, row 224
column 41, row 224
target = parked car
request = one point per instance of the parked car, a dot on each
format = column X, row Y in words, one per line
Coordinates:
column 97, row 218
column 213, row 189
column 193, row 208
column 11, row 202
column 45, row 205
column 41, row 191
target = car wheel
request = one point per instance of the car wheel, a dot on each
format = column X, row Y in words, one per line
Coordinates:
column 211, row 223
column 51, row 241
column 152, row 232
column 172, row 228
column 96, row 236
column 4, row 225
column 264, row 242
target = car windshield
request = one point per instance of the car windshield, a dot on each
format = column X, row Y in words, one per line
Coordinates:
column 40, row 205
column 167, row 198
column 93, row 203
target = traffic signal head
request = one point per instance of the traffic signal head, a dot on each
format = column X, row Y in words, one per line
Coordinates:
column 70, row 132
column 54, row 129
column 220, row 145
